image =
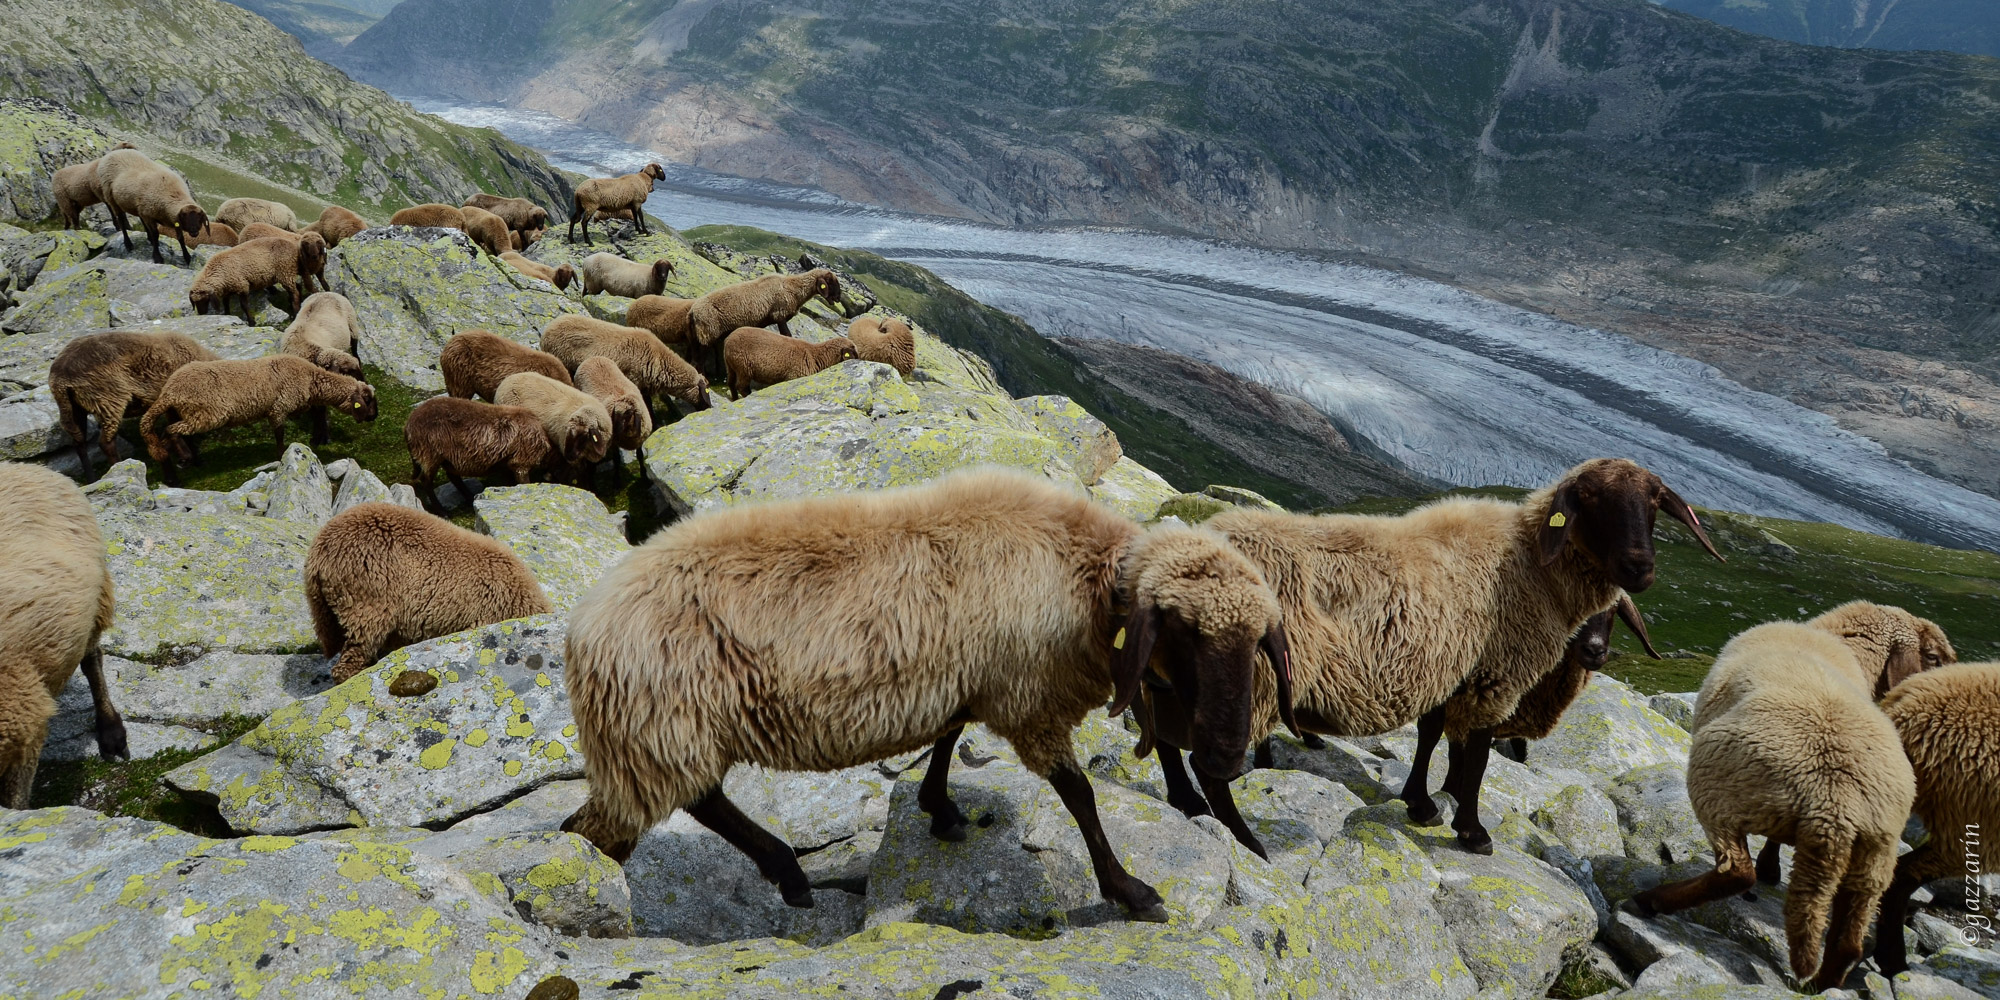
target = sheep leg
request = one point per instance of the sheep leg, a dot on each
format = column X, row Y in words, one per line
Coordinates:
column 110, row 725
column 463, row 490
column 425, row 484
column 1891, row 951
column 1733, row 874
column 774, row 858
column 321, row 434
column 1180, row 788
column 1462, row 781
column 784, row 328
column 1768, row 871
column 934, row 796
column 1224, row 803
column 1113, row 881
column 1416, row 791
column 1515, row 749
column 153, row 237
column 124, row 229
column 18, row 782
column 1869, row 871
column 278, row 432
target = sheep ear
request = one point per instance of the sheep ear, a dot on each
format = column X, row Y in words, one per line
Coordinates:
column 1905, row 661
column 1142, row 712
column 1560, row 518
column 1132, row 652
column 1628, row 613
column 1672, row 503
column 1280, row 653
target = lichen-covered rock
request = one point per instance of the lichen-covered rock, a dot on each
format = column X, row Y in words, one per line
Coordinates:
column 25, row 358
column 206, row 583
column 1513, row 917
column 1608, row 731
column 30, row 426
column 1294, row 814
column 300, row 490
column 359, row 486
column 565, row 535
column 691, row 885
column 1397, row 943
column 1132, row 489
column 1677, row 708
column 109, row 291
column 175, row 702
column 1090, row 447
column 497, row 725
column 1240, row 497
column 28, row 255
column 1341, row 762
column 554, row 879
column 1653, row 812
column 72, row 300
column 854, row 426
column 1647, row 942
column 541, row 810
column 35, row 142
column 1916, row 984
column 1976, row 969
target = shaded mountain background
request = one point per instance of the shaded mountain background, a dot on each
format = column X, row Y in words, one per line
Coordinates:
column 1971, row 26
column 323, row 28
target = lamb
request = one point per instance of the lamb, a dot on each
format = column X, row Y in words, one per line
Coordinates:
column 612, row 193
column 487, row 230
column 651, row 365
column 468, row 438
column 327, row 333
column 753, row 354
column 255, row 265
column 1788, row 743
column 75, row 188
column 631, row 420
column 608, row 272
column 214, row 234
column 336, row 224
column 888, row 341
column 1948, row 720
column 667, row 318
column 521, row 214
column 238, row 213
column 773, row 298
column 822, row 633
column 133, row 185
column 379, row 574
column 577, row 424
column 474, row 362
column 102, row 374
column 55, row 600
column 431, row 215
column 210, row 395
column 561, row 277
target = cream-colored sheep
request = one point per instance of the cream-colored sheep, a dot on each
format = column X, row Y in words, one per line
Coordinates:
column 666, row 318
column 771, row 299
column 257, row 264
column 561, row 277
column 209, row 395
column 651, row 365
column 888, row 341
column 133, row 185
column 487, row 230
column 608, row 272
column 613, row 193
column 469, row 438
column 327, row 333
column 822, row 633
column 756, row 356
column 239, row 213
column 336, row 223
column 103, row 374
column 55, row 599
column 380, row 573
column 577, row 424
column 631, row 418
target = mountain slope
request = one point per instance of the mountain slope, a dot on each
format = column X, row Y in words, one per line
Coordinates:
column 228, row 81
column 323, row 28
column 1971, row 26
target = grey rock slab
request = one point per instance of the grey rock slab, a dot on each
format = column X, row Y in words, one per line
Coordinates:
column 358, row 487
column 1654, row 813
column 1677, row 708
column 1294, row 815
column 541, row 810
column 26, row 357
column 1709, row 992
column 188, row 584
column 1384, row 884
column 1340, row 762
column 30, row 426
column 1087, row 444
column 142, row 740
column 843, row 864
column 1976, row 969
column 339, row 468
column 1608, row 731
column 1513, row 917
column 1132, row 489
column 565, row 535
column 1646, row 942
column 1917, row 985
column 300, row 491
column 689, row 884
column 554, row 879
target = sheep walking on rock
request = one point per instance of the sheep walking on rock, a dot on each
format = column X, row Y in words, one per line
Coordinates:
column 474, row 362
column 1949, row 722
column 608, row 272
column 756, row 356
column 626, row 191
column 487, row 230
column 888, row 341
column 561, row 277
column 55, row 600
column 522, row 215
column 211, row 395
column 336, row 224
column 771, row 299
column 651, row 365
column 577, row 424
column 257, row 264
column 240, row 213
column 823, row 633
column 464, row 437
column 103, row 375
column 380, row 575
column 133, row 185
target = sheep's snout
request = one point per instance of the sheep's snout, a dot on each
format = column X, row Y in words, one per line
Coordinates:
column 1632, row 570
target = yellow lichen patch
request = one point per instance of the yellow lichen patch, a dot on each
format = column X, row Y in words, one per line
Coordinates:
column 476, row 738
column 437, row 756
column 555, row 750
column 512, row 767
column 491, row 971
column 266, row 845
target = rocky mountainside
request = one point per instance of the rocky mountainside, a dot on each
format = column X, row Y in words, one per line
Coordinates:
column 1947, row 25
column 245, row 95
column 323, row 28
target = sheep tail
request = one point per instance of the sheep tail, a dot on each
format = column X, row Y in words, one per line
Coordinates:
column 70, row 413
column 149, row 431
column 332, row 638
column 1819, row 864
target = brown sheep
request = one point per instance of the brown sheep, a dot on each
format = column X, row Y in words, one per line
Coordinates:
column 666, row 318
column 756, row 355
column 576, row 423
column 55, row 600
column 239, row 213
column 561, row 277
column 522, row 241
column 487, row 230
column 651, row 365
column 468, row 438
column 76, row 189
column 474, row 362
column 336, row 224
column 265, row 231
column 103, row 374
column 379, row 574
column 608, row 272
column 888, row 341
column 521, row 214
column 620, row 215
column 257, row 264
column 430, row 215
column 215, row 234
column 773, row 298
column 328, row 334
column 210, row 395
column 133, row 185
column 612, row 193
column 631, row 420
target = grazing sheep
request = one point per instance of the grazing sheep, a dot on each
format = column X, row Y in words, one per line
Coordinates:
column 75, row 188
column 754, row 355
column 651, row 365
column 631, row 420
column 336, row 224
column 214, row 234
column 326, row 333
column 612, row 193
column 1788, row 743
column 55, row 600
column 577, row 424
column 823, row 633
column 239, row 213
column 773, row 298
column 888, row 341
column 487, row 230
column 666, row 318
column 522, row 215
column 133, row 185
column 257, row 264
column 469, row 438
column 561, row 277
column 474, row 362
column 102, row 374
column 608, row 272
column 1949, row 722
column 430, row 215
column 264, row 230
column 210, row 395
column 379, row 574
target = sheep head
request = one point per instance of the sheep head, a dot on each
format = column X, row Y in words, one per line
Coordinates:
column 1607, row 506
column 538, row 220
column 661, row 269
column 826, row 285
column 696, row 395
column 1200, row 615
column 360, row 401
column 1590, row 647
column 312, row 254
column 565, row 276
column 654, row 171
column 625, row 422
column 190, row 220
column 201, row 299
column 1891, row 644
column 585, row 441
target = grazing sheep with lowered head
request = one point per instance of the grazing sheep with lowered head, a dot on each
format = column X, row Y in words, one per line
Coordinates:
column 888, row 341
column 577, row 424
column 651, row 365
column 210, row 395
column 631, row 418
column 561, row 277
column 102, row 374
column 75, row 189
column 487, row 230
column 335, row 224
column 522, row 215
column 257, row 264
column 465, row 437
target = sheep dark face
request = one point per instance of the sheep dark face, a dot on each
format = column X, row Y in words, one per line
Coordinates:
column 200, row 299
column 361, row 404
column 1607, row 506
column 661, row 269
column 655, row 172
column 312, row 254
column 625, row 424
column 191, row 221
column 565, row 275
column 827, row 287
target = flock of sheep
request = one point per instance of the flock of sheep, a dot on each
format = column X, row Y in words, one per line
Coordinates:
column 825, row 633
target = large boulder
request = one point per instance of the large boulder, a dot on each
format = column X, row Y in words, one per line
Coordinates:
column 109, row 291
column 564, row 534
column 1514, row 918
column 27, row 254
column 1395, row 943
column 36, row 140
column 298, row 490
column 1609, row 730
column 1090, row 447
column 1654, row 814
column 174, row 705
column 188, row 584
column 1132, row 489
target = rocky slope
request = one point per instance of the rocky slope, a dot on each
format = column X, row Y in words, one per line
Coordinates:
column 323, row 28
column 1947, row 25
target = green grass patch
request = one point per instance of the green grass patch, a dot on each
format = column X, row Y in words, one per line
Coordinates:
column 212, row 185
column 133, row 788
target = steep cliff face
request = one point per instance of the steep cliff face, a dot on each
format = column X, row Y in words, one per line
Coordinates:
column 1945, row 25
column 206, row 75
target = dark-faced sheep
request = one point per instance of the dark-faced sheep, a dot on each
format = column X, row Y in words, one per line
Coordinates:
column 103, row 374
column 772, row 299
column 254, row 265
column 211, row 395
column 612, row 193
column 380, row 574
column 431, row 215
column 55, row 600
column 651, row 365
column 577, row 424
column 133, row 185
column 823, row 633
column 336, row 224
column 487, row 230
column 474, row 362
column 239, row 213
column 756, row 356
column 465, row 437
column 561, row 277
column 888, row 341
column 522, row 215
column 608, row 272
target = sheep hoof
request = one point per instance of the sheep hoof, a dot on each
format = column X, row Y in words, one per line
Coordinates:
column 953, row 832
column 1424, row 812
column 799, row 898
column 1154, row 914
column 1313, row 742
column 1644, row 906
column 1477, row 842
column 111, row 742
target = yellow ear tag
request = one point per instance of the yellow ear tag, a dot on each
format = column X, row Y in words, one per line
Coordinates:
column 1118, row 641
column 1557, row 520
